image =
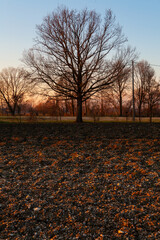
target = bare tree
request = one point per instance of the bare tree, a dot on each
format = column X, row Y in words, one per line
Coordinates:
column 144, row 76
column 121, row 84
column 13, row 87
column 70, row 53
column 152, row 95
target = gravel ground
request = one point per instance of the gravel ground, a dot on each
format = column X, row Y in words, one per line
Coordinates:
column 86, row 181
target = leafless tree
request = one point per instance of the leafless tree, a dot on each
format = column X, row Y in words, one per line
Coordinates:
column 70, row 53
column 121, row 84
column 13, row 87
column 144, row 80
column 152, row 94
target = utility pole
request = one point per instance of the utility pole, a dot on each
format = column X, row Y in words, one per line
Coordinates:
column 133, row 103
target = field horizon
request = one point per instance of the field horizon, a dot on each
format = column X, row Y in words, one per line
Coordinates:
column 53, row 119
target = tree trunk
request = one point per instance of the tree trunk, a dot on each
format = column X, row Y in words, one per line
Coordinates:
column 150, row 114
column 102, row 107
column 12, row 110
column 79, row 110
column 86, row 108
column 66, row 106
column 120, row 105
column 139, row 112
column 72, row 106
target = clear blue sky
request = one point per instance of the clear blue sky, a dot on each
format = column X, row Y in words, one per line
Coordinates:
column 140, row 20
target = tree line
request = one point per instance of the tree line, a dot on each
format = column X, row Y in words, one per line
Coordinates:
column 80, row 65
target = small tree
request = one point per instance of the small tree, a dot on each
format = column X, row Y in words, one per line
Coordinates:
column 147, row 89
column 152, row 95
column 143, row 71
column 70, row 53
column 121, row 84
column 13, row 87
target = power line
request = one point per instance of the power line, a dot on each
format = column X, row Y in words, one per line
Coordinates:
column 155, row 65
column 151, row 64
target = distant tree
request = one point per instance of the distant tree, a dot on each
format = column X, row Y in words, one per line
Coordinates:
column 70, row 53
column 121, row 83
column 41, row 108
column 152, row 95
column 127, row 107
column 110, row 100
column 13, row 87
column 1, row 104
column 144, row 82
column 143, row 71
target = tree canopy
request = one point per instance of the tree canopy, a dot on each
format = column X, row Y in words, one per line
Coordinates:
column 70, row 53
column 14, row 85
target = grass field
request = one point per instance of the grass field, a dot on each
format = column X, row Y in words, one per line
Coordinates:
column 80, row 181
column 24, row 119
